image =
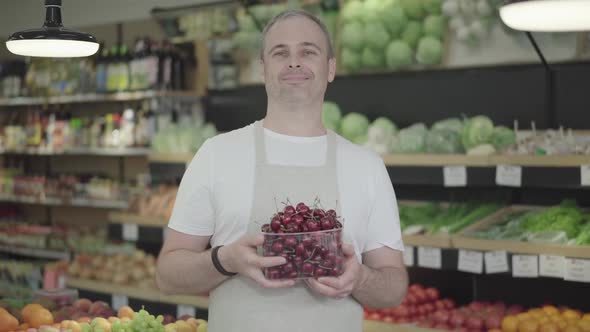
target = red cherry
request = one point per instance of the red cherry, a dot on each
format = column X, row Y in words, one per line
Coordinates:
column 275, row 224
column 307, row 268
column 288, row 267
column 300, row 250
column 277, row 247
column 319, row 272
column 290, row 209
column 306, row 240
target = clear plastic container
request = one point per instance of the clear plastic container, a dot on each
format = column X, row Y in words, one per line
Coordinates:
column 309, row 255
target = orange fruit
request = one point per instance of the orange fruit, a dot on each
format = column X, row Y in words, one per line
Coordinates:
column 125, row 311
column 28, row 310
column 562, row 325
column 584, row 325
column 23, row 327
column 113, row 319
column 510, row 324
column 586, row 316
column 550, row 310
column 571, row 328
column 543, row 319
column 571, row 314
column 549, row 327
column 523, row 316
column 495, row 330
column 7, row 322
column 528, row 326
column 41, row 317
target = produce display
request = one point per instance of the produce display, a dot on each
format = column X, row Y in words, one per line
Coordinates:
column 551, row 142
column 19, row 278
column 435, row 218
column 309, row 238
column 546, row 319
column 419, row 302
column 137, row 269
column 563, row 224
column 392, row 34
column 158, row 202
column 87, row 316
column 471, row 20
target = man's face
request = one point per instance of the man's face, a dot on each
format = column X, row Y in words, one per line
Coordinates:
column 295, row 61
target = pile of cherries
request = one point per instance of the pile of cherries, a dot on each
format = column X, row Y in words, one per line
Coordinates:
column 310, row 239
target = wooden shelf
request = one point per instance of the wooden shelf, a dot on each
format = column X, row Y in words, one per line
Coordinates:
column 542, row 161
column 435, row 160
column 107, row 152
column 375, row 326
column 37, row 253
column 96, row 98
column 78, row 202
column 171, row 158
column 146, row 294
column 129, row 218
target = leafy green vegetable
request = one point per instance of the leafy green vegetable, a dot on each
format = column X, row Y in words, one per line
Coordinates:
column 394, row 19
column 412, row 33
column 331, row 115
column 376, row 36
column 432, row 6
column 353, row 36
column 478, row 130
column 351, row 60
column 412, row 139
column 434, row 26
column 443, row 141
column 352, row 11
column 413, row 8
column 373, row 59
column 354, row 126
column 430, row 51
column 453, row 124
column 503, row 137
column 398, row 55
column 565, row 217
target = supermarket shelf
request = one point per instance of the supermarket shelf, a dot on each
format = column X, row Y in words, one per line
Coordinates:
column 96, row 97
column 129, row 218
column 78, row 202
column 39, row 253
column 435, row 160
column 170, row 158
column 375, row 326
column 146, row 294
column 108, row 152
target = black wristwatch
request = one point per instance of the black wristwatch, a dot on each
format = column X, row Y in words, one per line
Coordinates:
column 217, row 263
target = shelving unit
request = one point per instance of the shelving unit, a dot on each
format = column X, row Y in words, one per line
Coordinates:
column 97, row 98
column 75, row 202
column 36, row 253
column 103, row 152
column 129, row 218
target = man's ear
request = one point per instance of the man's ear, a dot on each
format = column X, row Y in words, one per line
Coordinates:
column 331, row 69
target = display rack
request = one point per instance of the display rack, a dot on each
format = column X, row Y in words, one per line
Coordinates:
column 97, row 98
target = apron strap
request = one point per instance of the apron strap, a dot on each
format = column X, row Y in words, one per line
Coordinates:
column 260, row 146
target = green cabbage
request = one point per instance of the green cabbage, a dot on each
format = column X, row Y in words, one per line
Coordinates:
column 432, row 6
column 478, row 130
column 388, row 126
column 453, row 124
column 376, row 36
column 351, row 60
column 434, row 26
column 353, row 36
column 371, row 11
column 413, row 8
column 503, row 137
column 398, row 55
column 372, row 59
column 352, row 11
column 443, row 141
column 394, row 19
column 412, row 139
column 331, row 115
column 354, row 126
column 412, row 33
column 430, row 51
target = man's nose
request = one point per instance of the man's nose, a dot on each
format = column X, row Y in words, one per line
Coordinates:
column 294, row 62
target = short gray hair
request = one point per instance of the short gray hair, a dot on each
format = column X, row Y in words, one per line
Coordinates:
column 296, row 13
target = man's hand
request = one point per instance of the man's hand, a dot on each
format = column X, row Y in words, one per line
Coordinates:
column 241, row 257
column 345, row 284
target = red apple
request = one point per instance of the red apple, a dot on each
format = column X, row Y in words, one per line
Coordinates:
column 82, row 304
column 374, row 316
column 493, row 321
column 474, row 323
column 449, row 304
column 457, row 319
column 440, row 326
column 514, row 309
column 432, row 293
column 388, row 319
column 441, row 316
column 439, row 304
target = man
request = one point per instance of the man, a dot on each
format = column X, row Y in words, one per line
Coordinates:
column 231, row 186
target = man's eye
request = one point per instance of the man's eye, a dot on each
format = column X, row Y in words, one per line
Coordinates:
column 280, row 53
column 309, row 52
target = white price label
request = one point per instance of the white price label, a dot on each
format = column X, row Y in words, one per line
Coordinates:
column 130, row 232
column 577, row 269
column 496, row 262
column 525, row 266
column 455, row 176
column 551, row 266
column 62, row 280
column 507, row 175
column 585, row 175
column 470, row 261
column 119, row 301
column 409, row 255
column 182, row 310
column 429, row 257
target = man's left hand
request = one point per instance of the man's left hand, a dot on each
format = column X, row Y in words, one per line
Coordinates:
column 345, row 284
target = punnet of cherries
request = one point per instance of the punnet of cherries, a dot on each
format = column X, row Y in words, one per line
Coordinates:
column 310, row 239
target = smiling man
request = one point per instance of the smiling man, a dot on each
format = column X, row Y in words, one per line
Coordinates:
column 231, row 186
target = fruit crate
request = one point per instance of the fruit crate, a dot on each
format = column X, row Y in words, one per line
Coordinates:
column 466, row 240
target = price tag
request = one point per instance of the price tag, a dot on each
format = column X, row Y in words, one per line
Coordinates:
column 455, row 176
column 551, row 266
column 119, row 301
column 585, row 175
column 496, row 262
column 130, row 232
column 409, row 255
column 62, row 280
column 507, row 175
column 182, row 310
column 470, row 261
column 577, row 269
column 429, row 257
column 525, row 266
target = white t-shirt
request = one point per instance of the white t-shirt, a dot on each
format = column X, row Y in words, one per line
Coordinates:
column 216, row 191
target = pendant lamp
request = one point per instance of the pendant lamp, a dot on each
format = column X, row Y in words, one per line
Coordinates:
column 52, row 40
column 547, row 15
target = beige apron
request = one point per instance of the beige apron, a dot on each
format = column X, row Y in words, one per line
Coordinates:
column 239, row 304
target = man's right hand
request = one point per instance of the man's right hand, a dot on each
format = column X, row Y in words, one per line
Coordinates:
column 241, row 257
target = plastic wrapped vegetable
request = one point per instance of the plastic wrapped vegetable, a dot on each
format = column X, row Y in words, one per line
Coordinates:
column 331, row 116
column 478, row 130
column 453, row 124
column 412, row 139
column 354, row 127
column 503, row 137
column 380, row 135
column 430, row 51
column 443, row 141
